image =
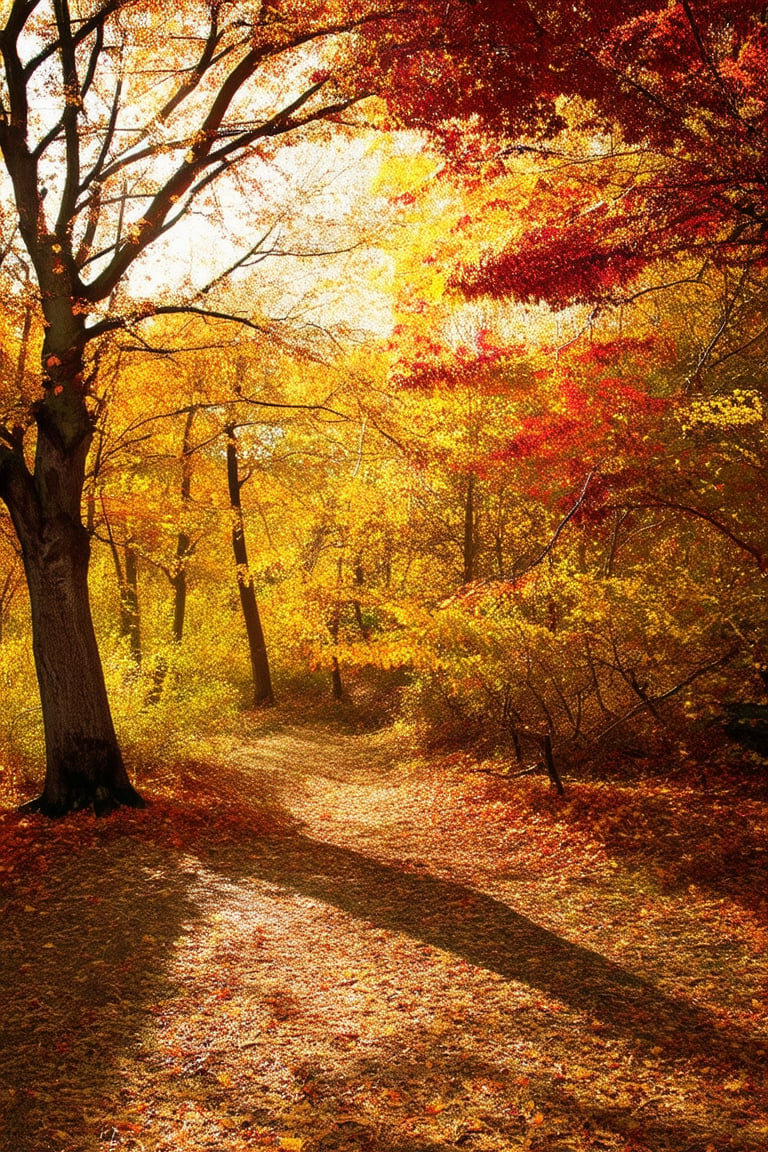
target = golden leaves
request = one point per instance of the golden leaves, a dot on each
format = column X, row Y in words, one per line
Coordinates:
column 741, row 407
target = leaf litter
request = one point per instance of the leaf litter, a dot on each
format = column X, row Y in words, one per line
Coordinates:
column 320, row 944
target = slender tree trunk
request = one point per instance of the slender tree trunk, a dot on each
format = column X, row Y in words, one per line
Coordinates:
column 184, row 547
column 179, row 585
column 127, row 582
column 130, row 620
column 128, row 589
column 468, row 551
column 337, row 687
column 360, row 581
column 257, row 648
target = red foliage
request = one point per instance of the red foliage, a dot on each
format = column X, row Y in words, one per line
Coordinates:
column 685, row 84
column 193, row 816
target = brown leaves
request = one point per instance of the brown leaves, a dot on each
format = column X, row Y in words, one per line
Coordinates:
column 233, row 998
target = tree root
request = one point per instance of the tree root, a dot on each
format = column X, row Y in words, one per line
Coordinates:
column 101, row 799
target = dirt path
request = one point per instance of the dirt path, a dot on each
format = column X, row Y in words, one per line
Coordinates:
column 395, row 959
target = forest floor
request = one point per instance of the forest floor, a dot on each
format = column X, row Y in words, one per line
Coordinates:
column 318, row 942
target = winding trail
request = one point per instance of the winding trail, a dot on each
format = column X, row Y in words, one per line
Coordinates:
column 408, row 960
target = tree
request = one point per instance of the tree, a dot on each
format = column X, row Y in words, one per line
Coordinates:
column 257, row 648
column 90, row 187
column 654, row 194
column 664, row 154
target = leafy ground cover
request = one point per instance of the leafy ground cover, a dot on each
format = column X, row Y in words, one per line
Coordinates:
column 320, row 943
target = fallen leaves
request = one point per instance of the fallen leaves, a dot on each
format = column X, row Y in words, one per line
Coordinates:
column 240, row 998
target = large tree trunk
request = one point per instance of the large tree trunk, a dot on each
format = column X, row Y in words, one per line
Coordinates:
column 257, row 647
column 84, row 766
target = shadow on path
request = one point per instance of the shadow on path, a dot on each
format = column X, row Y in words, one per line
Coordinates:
column 489, row 934
column 80, row 967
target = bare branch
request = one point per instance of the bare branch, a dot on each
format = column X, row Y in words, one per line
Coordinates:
column 710, row 64
column 568, row 516
column 70, row 114
column 96, row 171
column 657, row 502
column 98, row 20
column 207, row 59
column 652, row 701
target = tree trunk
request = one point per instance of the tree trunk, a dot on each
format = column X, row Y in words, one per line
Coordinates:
column 179, row 585
column 468, row 550
column 257, row 648
column 84, row 766
column 360, row 581
column 184, row 547
column 130, row 621
column 337, row 687
column 128, row 589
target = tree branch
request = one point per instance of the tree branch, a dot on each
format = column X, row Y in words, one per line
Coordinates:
column 69, row 117
column 658, row 502
column 648, row 703
column 569, row 516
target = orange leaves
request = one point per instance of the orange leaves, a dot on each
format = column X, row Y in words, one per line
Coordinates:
column 31, row 845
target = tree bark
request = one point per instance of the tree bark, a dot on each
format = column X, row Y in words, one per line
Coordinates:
column 257, row 647
column 184, row 547
column 84, row 765
column 469, row 547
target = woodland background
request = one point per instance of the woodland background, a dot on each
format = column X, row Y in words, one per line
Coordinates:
column 388, row 382
column 493, row 414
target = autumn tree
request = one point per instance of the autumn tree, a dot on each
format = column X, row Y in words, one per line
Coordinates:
column 102, row 160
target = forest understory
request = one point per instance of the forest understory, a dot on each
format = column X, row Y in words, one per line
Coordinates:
column 318, row 941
